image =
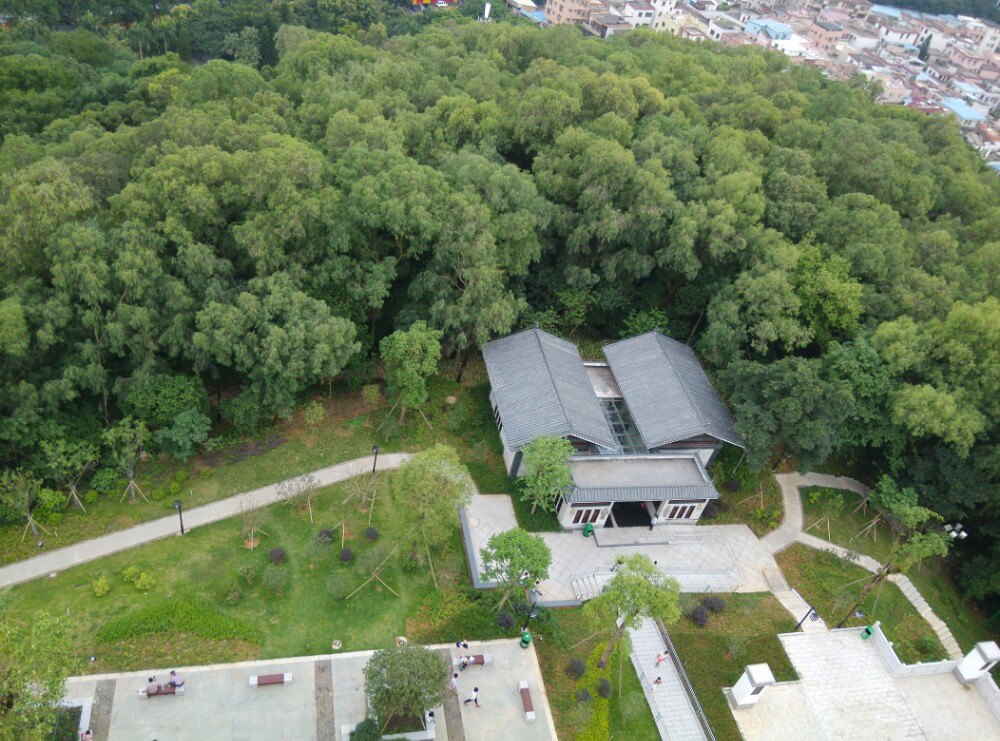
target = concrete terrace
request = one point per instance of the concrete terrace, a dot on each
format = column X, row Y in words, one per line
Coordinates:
column 324, row 700
column 706, row 558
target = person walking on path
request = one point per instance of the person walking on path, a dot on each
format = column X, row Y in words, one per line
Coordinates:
column 453, row 684
column 654, row 522
column 474, row 697
column 660, row 658
column 461, row 646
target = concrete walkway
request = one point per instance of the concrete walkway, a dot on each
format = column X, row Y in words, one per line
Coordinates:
column 672, row 708
column 90, row 550
column 791, row 531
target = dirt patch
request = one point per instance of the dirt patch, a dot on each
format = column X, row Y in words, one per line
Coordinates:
column 253, row 448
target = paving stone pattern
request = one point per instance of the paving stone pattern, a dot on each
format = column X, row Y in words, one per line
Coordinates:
column 675, row 716
column 326, row 728
column 100, row 715
column 452, row 708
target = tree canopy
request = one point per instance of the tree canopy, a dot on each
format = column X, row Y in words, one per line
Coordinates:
column 252, row 230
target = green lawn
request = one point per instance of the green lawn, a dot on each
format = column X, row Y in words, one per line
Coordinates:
column 289, row 449
column 716, row 655
column 204, row 566
column 832, row 585
column 748, row 497
column 846, row 520
column 569, row 636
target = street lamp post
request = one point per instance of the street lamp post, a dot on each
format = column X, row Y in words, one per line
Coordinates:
column 533, row 611
column 810, row 614
column 180, row 513
column 375, row 459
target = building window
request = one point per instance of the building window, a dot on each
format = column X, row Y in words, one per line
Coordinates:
column 586, row 515
column 496, row 416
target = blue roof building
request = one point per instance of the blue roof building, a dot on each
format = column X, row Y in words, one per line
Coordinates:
column 775, row 30
column 965, row 112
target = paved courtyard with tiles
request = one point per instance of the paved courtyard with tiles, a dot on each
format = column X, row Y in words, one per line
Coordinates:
column 847, row 690
column 703, row 558
column 325, row 698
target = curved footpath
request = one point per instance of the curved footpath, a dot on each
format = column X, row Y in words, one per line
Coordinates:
column 791, row 531
column 90, row 550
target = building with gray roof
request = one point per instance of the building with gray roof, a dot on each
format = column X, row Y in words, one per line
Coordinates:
column 643, row 425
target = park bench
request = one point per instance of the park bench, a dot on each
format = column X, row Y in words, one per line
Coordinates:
column 529, row 706
column 477, row 660
column 165, row 689
column 259, row 680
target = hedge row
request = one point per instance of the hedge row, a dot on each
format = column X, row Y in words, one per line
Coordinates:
column 178, row 615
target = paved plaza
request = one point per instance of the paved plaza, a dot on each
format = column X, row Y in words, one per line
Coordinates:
column 848, row 689
column 324, row 700
column 703, row 558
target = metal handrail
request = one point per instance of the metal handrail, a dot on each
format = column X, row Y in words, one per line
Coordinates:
column 676, row 659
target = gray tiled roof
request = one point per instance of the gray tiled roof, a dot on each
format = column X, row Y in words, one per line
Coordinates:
column 640, row 493
column 668, row 393
column 541, row 387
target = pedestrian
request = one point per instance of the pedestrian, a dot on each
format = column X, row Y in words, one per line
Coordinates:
column 654, row 522
column 176, row 680
column 660, row 658
column 87, row 735
column 658, row 680
column 152, row 686
column 463, row 662
column 474, row 697
column 461, row 646
column 453, row 684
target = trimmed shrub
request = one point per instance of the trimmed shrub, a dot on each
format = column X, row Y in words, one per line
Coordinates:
column 699, row 616
column 371, row 534
column 598, row 724
column 107, row 481
column 178, row 615
column 505, row 621
column 346, row 555
column 324, row 537
column 366, row 730
column 131, row 574
column 274, row 579
column 576, row 668
column 249, row 571
column 316, row 551
column 604, row 688
column 245, row 412
column 370, row 558
column 101, row 586
column 145, row 582
column 234, row 595
column 277, row 555
column 583, row 695
column 313, row 414
column 714, row 604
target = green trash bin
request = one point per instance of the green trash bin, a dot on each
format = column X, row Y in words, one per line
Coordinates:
column 525, row 639
column 866, row 633
column 588, row 530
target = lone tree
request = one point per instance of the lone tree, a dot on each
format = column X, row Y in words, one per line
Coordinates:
column 410, row 357
column 125, row 441
column 432, row 486
column 547, row 471
column 68, row 462
column 304, row 486
column 514, row 557
column 405, row 681
column 638, row 590
column 35, row 659
column 914, row 539
column 21, row 497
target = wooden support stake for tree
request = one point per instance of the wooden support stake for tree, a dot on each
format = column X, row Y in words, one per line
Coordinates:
column 390, row 413
column 32, row 523
column 73, row 497
column 425, row 419
column 591, row 637
column 386, row 585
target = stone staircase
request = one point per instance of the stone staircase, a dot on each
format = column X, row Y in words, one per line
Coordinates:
column 920, row 604
column 588, row 586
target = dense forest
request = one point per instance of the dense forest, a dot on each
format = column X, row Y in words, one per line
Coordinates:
column 182, row 240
